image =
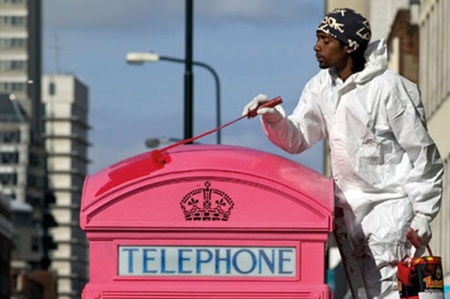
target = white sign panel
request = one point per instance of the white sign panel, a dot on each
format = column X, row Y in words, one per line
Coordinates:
column 207, row 261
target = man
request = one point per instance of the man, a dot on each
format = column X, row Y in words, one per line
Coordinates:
column 386, row 168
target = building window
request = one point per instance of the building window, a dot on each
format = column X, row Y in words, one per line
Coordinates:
column 12, row 21
column 12, row 65
column 12, row 87
column 52, row 88
column 35, row 244
column 12, row 1
column 10, row 136
column 13, row 43
column 35, row 182
column 33, row 159
column 8, row 179
column 9, row 157
column 22, row 219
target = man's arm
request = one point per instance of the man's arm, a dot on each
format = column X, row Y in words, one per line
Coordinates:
column 300, row 130
column 424, row 184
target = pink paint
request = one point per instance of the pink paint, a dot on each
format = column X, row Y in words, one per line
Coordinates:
column 213, row 222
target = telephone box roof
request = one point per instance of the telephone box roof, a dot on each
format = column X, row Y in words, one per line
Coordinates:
column 218, row 158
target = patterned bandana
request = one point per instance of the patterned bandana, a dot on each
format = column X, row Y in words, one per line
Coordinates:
column 348, row 26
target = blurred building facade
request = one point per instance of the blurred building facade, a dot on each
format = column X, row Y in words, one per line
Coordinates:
column 417, row 35
column 27, row 280
column 23, row 159
column 20, row 55
column 43, row 145
column 6, row 235
column 65, row 101
column 434, row 82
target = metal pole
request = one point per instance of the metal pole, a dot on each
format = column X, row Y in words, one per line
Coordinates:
column 188, row 76
column 217, row 81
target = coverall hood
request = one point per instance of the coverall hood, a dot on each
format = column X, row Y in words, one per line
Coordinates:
column 376, row 56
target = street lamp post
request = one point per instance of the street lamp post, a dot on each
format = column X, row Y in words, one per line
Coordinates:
column 188, row 74
column 139, row 58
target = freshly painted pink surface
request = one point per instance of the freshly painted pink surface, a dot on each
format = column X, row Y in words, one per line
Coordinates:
column 260, row 199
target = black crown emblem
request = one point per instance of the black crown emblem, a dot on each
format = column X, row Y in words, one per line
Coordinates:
column 206, row 204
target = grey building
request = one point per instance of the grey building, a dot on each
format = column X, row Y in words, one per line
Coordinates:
column 23, row 176
column 6, row 233
column 20, row 55
column 434, row 82
column 20, row 84
column 65, row 100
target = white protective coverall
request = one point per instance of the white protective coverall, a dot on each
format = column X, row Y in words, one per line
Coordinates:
column 385, row 166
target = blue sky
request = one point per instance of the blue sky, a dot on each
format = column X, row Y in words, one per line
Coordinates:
column 255, row 46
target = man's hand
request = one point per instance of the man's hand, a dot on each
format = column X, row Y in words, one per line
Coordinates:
column 421, row 224
column 254, row 103
column 269, row 114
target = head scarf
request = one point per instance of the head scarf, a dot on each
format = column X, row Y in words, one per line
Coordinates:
column 347, row 26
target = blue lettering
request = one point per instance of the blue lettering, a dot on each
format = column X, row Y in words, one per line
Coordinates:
column 130, row 258
column 283, row 259
column 236, row 265
column 147, row 258
column 163, row 262
column 207, row 261
column 201, row 260
column 181, row 259
column 226, row 259
column 270, row 263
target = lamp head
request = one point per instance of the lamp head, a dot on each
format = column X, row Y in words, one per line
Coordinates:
column 141, row 57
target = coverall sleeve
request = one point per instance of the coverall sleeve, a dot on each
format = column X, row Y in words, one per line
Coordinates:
column 424, row 183
column 304, row 127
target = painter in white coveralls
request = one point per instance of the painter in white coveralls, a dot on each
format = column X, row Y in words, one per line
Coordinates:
column 386, row 168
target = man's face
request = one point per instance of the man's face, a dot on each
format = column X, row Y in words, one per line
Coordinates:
column 330, row 52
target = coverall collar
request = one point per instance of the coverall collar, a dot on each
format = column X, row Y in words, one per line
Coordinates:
column 376, row 57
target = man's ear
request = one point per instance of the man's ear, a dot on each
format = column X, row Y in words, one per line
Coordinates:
column 349, row 50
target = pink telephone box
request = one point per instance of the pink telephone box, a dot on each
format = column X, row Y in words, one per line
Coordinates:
column 212, row 222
